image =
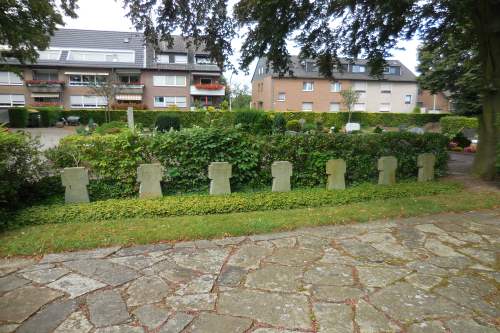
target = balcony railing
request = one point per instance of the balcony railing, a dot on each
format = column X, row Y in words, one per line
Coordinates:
column 202, row 89
column 130, row 88
column 45, row 85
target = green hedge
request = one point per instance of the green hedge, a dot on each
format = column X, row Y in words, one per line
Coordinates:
column 208, row 119
column 186, row 155
column 236, row 202
column 452, row 125
column 18, row 117
column 49, row 115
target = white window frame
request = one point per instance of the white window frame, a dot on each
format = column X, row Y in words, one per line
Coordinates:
column 281, row 97
column 358, row 83
column 335, row 86
column 409, row 101
column 180, row 59
column 104, row 53
column 12, row 79
column 306, row 83
column 99, row 101
column 13, row 101
column 384, row 107
column 93, row 82
column 385, row 88
column 203, row 60
column 361, row 68
column 337, row 104
column 307, row 110
column 174, row 101
column 158, row 78
column 357, row 108
column 56, row 54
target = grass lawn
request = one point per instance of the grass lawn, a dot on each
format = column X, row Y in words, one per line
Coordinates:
column 40, row 239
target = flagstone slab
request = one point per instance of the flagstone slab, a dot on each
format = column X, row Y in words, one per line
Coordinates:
column 142, row 249
column 46, row 320
column 210, row 322
column 11, row 282
column 102, row 270
column 146, row 290
column 370, row 319
column 9, row 328
column 231, row 276
column 380, row 276
column 325, row 274
column 151, row 315
column 79, row 255
column 43, row 276
column 469, row 326
column 196, row 302
column 198, row 285
column 249, row 256
column 276, row 278
column 17, row 305
column 336, row 293
column 294, row 257
column 75, row 323
column 333, row 318
column 206, row 260
column 107, row 308
column 177, row 323
column 120, row 329
column 423, row 281
column 76, row 285
column 284, row 310
column 427, row 327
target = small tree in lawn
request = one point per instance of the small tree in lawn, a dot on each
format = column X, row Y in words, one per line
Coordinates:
column 108, row 89
column 349, row 97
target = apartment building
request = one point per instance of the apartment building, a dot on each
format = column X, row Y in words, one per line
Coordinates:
column 78, row 60
column 434, row 103
column 307, row 90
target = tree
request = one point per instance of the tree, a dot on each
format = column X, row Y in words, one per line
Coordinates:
column 241, row 96
column 107, row 89
column 349, row 98
column 26, row 26
column 327, row 30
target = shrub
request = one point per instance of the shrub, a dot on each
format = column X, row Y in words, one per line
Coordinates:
column 293, row 125
column 309, row 127
column 452, row 125
column 236, row 202
column 166, row 122
column 125, row 106
column 49, row 116
column 257, row 122
column 18, row 117
column 378, row 130
column 417, row 110
column 461, row 140
column 112, row 127
column 279, row 123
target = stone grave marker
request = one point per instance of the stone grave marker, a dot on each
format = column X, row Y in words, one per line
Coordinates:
column 219, row 174
column 335, row 169
column 281, row 171
column 425, row 164
column 75, row 180
column 352, row 127
column 387, row 166
column 150, row 176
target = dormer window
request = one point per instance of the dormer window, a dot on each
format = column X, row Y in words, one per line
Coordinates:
column 49, row 55
column 311, row 66
column 166, row 58
column 358, row 68
column 392, row 70
column 101, row 56
column 204, row 60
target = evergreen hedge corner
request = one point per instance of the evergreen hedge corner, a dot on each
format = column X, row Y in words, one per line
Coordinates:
column 18, row 117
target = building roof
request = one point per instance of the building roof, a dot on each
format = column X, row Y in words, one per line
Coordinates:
column 299, row 72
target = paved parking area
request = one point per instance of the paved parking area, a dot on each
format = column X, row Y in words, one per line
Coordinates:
column 50, row 136
column 438, row 273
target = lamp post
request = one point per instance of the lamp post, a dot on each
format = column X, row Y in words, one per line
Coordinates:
column 230, row 92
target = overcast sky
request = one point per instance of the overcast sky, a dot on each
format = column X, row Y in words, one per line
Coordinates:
column 109, row 15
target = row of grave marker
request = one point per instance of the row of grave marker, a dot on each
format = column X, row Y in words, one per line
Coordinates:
column 149, row 176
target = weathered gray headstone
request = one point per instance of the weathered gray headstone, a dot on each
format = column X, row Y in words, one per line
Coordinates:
column 219, row 174
column 281, row 171
column 75, row 180
column 130, row 118
column 387, row 166
column 150, row 176
column 335, row 169
column 425, row 164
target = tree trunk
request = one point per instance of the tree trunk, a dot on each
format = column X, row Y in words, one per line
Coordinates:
column 488, row 31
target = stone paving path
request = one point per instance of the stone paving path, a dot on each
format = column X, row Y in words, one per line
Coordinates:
column 439, row 273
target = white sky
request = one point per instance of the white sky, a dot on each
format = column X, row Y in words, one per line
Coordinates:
column 109, row 15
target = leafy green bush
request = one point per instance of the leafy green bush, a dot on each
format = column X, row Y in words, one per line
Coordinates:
column 378, row 130
column 21, row 166
column 279, row 123
column 452, row 125
column 293, row 125
column 236, row 202
column 18, row 117
column 49, row 116
column 112, row 127
column 461, row 140
column 257, row 122
column 166, row 122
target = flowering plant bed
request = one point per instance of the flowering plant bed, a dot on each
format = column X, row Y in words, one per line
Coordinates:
column 43, row 82
column 211, row 86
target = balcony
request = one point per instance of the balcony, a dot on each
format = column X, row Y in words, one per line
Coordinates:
column 201, row 89
column 131, row 88
column 48, row 86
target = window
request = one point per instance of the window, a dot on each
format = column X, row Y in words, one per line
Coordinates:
column 86, row 80
column 101, row 56
column 334, row 107
column 12, row 100
column 281, row 97
column 47, row 76
column 165, row 101
column 180, row 59
column 90, row 101
column 335, row 87
column 311, row 66
column 359, row 86
column 205, row 81
column 9, row 78
column 358, row 68
column 385, row 107
column 169, row 81
column 308, row 86
column 307, row 106
column 392, row 70
column 385, row 88
column 408, row 99
column 359, row 107
column 130, row 79
column 49, row 55
column 203, row 60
